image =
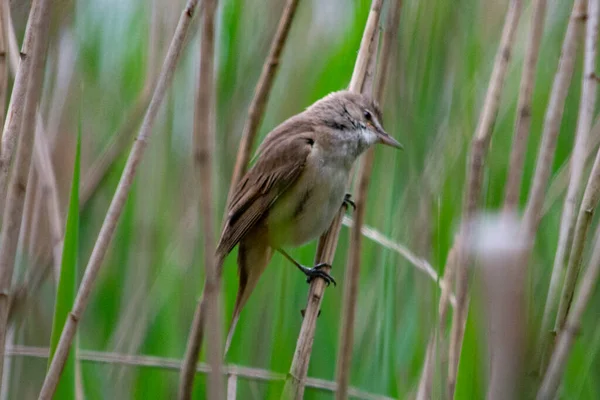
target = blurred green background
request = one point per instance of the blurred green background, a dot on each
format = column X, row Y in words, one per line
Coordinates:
column 102, row 54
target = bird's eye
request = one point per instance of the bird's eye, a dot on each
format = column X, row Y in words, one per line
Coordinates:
column 368, row 115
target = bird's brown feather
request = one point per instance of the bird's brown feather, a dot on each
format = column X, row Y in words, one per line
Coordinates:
column 257, row 190
column 250, row 204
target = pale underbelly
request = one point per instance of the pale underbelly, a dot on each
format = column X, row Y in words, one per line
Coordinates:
column 307, row 209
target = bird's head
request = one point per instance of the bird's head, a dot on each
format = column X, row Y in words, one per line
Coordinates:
column 345, row 110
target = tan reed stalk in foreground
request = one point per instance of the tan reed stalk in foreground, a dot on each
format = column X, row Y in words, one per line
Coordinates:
column 570, row 328
column 564, row 250
column 479, row 148
column 116, row 207
column 36, row 40
column 523, row 120
column 257, row 107
column 295, row 381
column 364, row 176
column 592, row 191
column 204, row 148
column 42, row 159
column 554, row 112
column 16, row 108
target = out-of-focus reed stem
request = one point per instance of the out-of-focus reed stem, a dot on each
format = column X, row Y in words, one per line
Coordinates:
column 364, row 176
column 29, row 76
column 257, row 107
column 204, row 149
column 479, row 148
column 570, row 223
column 523, row 120
column 108, row 227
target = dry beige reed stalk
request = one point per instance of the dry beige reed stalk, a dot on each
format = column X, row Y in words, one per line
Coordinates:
column 247, row 373
column 43, row 164
column 523, row 120
column 204, row 149
column 257, row 107
column 553, row 117
column 116, row 207
column 479, row 148
column 16, row 108
column 578, row 159
column 351, row 281
column 570, row 330
column 295, row 381
column 36, row 38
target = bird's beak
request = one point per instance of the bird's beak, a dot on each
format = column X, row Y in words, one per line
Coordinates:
column 386, row 139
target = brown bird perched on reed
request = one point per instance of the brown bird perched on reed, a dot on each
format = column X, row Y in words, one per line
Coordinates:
column 296, row 186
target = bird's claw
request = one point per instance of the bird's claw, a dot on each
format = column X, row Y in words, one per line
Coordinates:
column 348, row 201
column 315, row 272
column 303, row 313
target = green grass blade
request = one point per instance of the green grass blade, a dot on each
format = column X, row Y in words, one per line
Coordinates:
column 65, row 294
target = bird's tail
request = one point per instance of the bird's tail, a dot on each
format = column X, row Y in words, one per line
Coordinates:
column 253, row 257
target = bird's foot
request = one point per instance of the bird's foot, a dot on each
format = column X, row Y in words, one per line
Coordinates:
column 303, row 312
column 348, row 201
column 315, row 272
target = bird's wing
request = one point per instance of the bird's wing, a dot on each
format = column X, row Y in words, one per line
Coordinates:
column 280, row 162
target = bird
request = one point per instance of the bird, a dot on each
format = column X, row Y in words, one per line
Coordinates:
column 294, row 188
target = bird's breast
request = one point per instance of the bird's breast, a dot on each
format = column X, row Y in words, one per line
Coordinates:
column 306, row 210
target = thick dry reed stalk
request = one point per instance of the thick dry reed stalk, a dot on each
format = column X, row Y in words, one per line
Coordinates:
column 570, row 330
column 204, row 149
column 295, row 381
column 116, row 207
column 552, row 119
column 36, row 37
column 578, row 159
column 352, row 275
column 523, row 120
column 42, row 160
column 591, row 195
column 257, row 107
column 479, row 148
column 16, row 108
